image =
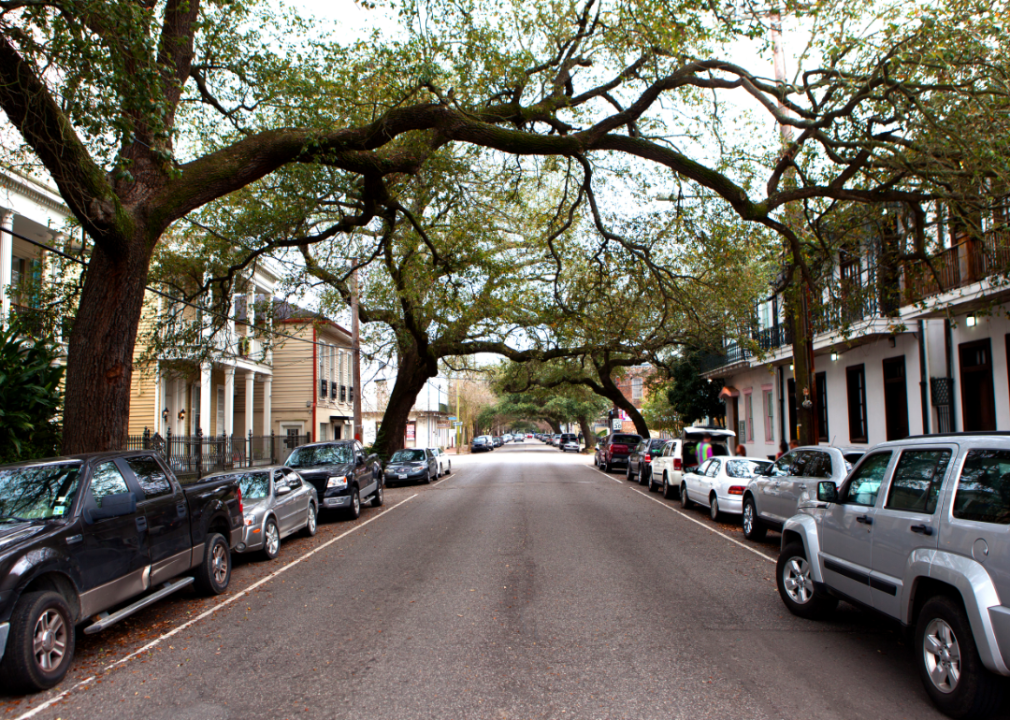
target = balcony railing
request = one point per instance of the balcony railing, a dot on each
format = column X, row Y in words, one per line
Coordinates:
column 969, row 261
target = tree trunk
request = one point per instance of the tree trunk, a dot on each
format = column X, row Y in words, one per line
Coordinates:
column 555, row 426
column 806, row 408
column 587, row 432
column 412, row 372
column 100, row 360
column 613, row 393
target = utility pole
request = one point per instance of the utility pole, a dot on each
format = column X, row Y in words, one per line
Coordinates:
column 356, row 342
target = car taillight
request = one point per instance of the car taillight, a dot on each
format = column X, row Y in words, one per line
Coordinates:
column 647, row 458
column 736, row 490
column 238, row 491
column 677, row 465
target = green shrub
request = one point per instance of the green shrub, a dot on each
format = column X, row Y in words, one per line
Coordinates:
column 31, row 397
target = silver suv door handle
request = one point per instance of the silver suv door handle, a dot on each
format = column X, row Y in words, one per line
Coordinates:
column 865, row 519
column 922, row 529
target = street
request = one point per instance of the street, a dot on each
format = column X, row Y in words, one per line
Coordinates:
column 526, row 584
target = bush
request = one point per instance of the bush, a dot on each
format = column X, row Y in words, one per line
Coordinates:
column 31, row 396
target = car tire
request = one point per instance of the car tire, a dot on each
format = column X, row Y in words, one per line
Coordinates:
column 608, row 467
column 271, row 540
column 354, row 511
column 796, row 585
column 627, row 474
column 448, row 469
column 668, row 492
column 312, row 521
column 685, row 501
column 943, row 626
column 643, row 475
column 427, row 477
column 214, row 573
column 650, row 483
column 713, row 508
column 753, row 528
column 378, row 497
column 22, row 669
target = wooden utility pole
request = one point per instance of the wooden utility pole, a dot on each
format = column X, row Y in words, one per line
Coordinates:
column 356, row 343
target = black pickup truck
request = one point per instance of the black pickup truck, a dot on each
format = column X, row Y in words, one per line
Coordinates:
column 81, row 535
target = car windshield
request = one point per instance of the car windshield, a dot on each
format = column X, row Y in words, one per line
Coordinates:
column 746, row 468
column 407, row 456
column 313, row 455
column 255, row 486
column 38, row 492
column 626, row 439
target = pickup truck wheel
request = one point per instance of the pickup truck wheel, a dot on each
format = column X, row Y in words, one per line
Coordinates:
column 753, row 528
column 796, row 585
column 214, row 573
column 667, row 488
column 40, row 648
column 949, row 664
column 312, row 521
column 608, row 467
column 354, row 511
column 377, row 498
column 271, row 540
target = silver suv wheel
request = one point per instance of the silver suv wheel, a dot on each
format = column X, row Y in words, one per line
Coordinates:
column 797, row 581
column 942, row 655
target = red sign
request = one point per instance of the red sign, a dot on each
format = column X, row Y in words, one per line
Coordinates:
column 410, row 430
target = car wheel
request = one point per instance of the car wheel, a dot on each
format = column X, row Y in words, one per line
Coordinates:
column 713, row 508
column 40, row 648
column 379, row 496
column 949, row 664
column 608, row 467
column 643, row 475
column 753, row 528
column 427, row 477
column 271, row 540
column 214, row 574
column 354, row 511
column 667, row 488
column 796, row 585
column 628, row 476
column 685, row 501
column 312, row 521
column 651, row 485
column 448, row 470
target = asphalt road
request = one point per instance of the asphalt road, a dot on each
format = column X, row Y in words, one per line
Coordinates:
column 527, row 584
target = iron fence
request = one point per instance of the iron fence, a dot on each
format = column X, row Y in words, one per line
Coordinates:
column 197, row 455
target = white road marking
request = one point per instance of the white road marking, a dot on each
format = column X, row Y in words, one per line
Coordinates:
column 696, row 521
column 207, row 613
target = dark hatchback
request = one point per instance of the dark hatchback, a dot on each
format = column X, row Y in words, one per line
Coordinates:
column 342, row 475
column 417, row 465
column 640, row 459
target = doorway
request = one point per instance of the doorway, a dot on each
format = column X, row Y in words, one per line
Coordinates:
column 978, row 402
column 895, row 398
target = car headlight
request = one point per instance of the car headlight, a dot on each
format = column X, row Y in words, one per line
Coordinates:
column 336, row 482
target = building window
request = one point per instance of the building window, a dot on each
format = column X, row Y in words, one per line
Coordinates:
column 333, row 362
column 821, row 380
column 855, row 382
column 769, row 415
column 749, row 409
column 321, row 353
column 636, row 388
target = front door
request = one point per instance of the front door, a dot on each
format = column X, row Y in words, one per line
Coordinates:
column 113, row 558
column 978, row 403
column 907, row 521
column 895, row 398
column 847, row 530
column 168, row 539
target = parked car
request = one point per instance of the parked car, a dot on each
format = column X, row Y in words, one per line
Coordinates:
column 615, row 449
column 569, row 441
column 412, row 465
column 343, row 477
column 497, row 441
column 773, row 498
column 918, row 532
column 640, row 460
column 719, row 484
column 481, row 443
column 518, row 438
column 722, row 441
column 667, row 469
column 80, row 535
column 444, row 463
column 276, row 503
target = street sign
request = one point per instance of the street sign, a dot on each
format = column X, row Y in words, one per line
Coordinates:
column 452, row 417
column 617, row 424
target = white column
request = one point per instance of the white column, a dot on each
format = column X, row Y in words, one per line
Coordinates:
column 250, row 390
column 164, row 425
column 159, row 398
column 206, row 392
column 229, row 401
column 6, row 259
column 267, row 420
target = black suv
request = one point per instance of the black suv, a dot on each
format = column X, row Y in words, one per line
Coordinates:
column 342, row 475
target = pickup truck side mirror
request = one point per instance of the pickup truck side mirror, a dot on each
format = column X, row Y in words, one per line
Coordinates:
column 115, row 505
column 827, row 492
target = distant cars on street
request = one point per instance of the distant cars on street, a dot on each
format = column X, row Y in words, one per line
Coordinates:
column 481, row 443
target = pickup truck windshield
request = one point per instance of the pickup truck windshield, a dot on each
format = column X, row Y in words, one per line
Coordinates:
column 38, row 492
column 320, row 455
column 407, row 456
column 625, row 440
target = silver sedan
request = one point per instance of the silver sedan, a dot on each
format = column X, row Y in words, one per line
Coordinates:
column 276, row 503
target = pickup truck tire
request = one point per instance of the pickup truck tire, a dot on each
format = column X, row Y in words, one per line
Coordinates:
column 354, row 511
column 667, row 488
column 685, row 501
column 796, row 586
column 942, row 630
column 753, row 528
column 214, row 573
column 38, row 613
column 607, row 467
column 271, row 540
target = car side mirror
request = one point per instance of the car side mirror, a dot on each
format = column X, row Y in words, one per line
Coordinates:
column 115, row 505
column 827, row 492
column 359, row 461
column 282, row 490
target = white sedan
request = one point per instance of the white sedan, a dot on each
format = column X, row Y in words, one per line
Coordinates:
column 444, row 463
column 719, row 484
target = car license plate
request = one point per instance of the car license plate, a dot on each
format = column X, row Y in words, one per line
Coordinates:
column 401, row 477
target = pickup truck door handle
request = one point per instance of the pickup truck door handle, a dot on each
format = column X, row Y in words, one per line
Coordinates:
column 923, row 529
column 181, row 509
column 865, row 519
column 142, row 523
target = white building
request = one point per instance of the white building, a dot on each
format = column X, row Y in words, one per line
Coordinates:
column 429, row 424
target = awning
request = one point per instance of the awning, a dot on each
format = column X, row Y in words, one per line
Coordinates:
column 728, row 392
column 340, row 418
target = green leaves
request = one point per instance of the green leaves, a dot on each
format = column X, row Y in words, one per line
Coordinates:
column 30, row 396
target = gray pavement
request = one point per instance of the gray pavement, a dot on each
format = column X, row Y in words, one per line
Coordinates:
column 527, row 584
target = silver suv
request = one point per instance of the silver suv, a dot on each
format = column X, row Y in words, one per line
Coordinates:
column 919, row 531
column 774, row 497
